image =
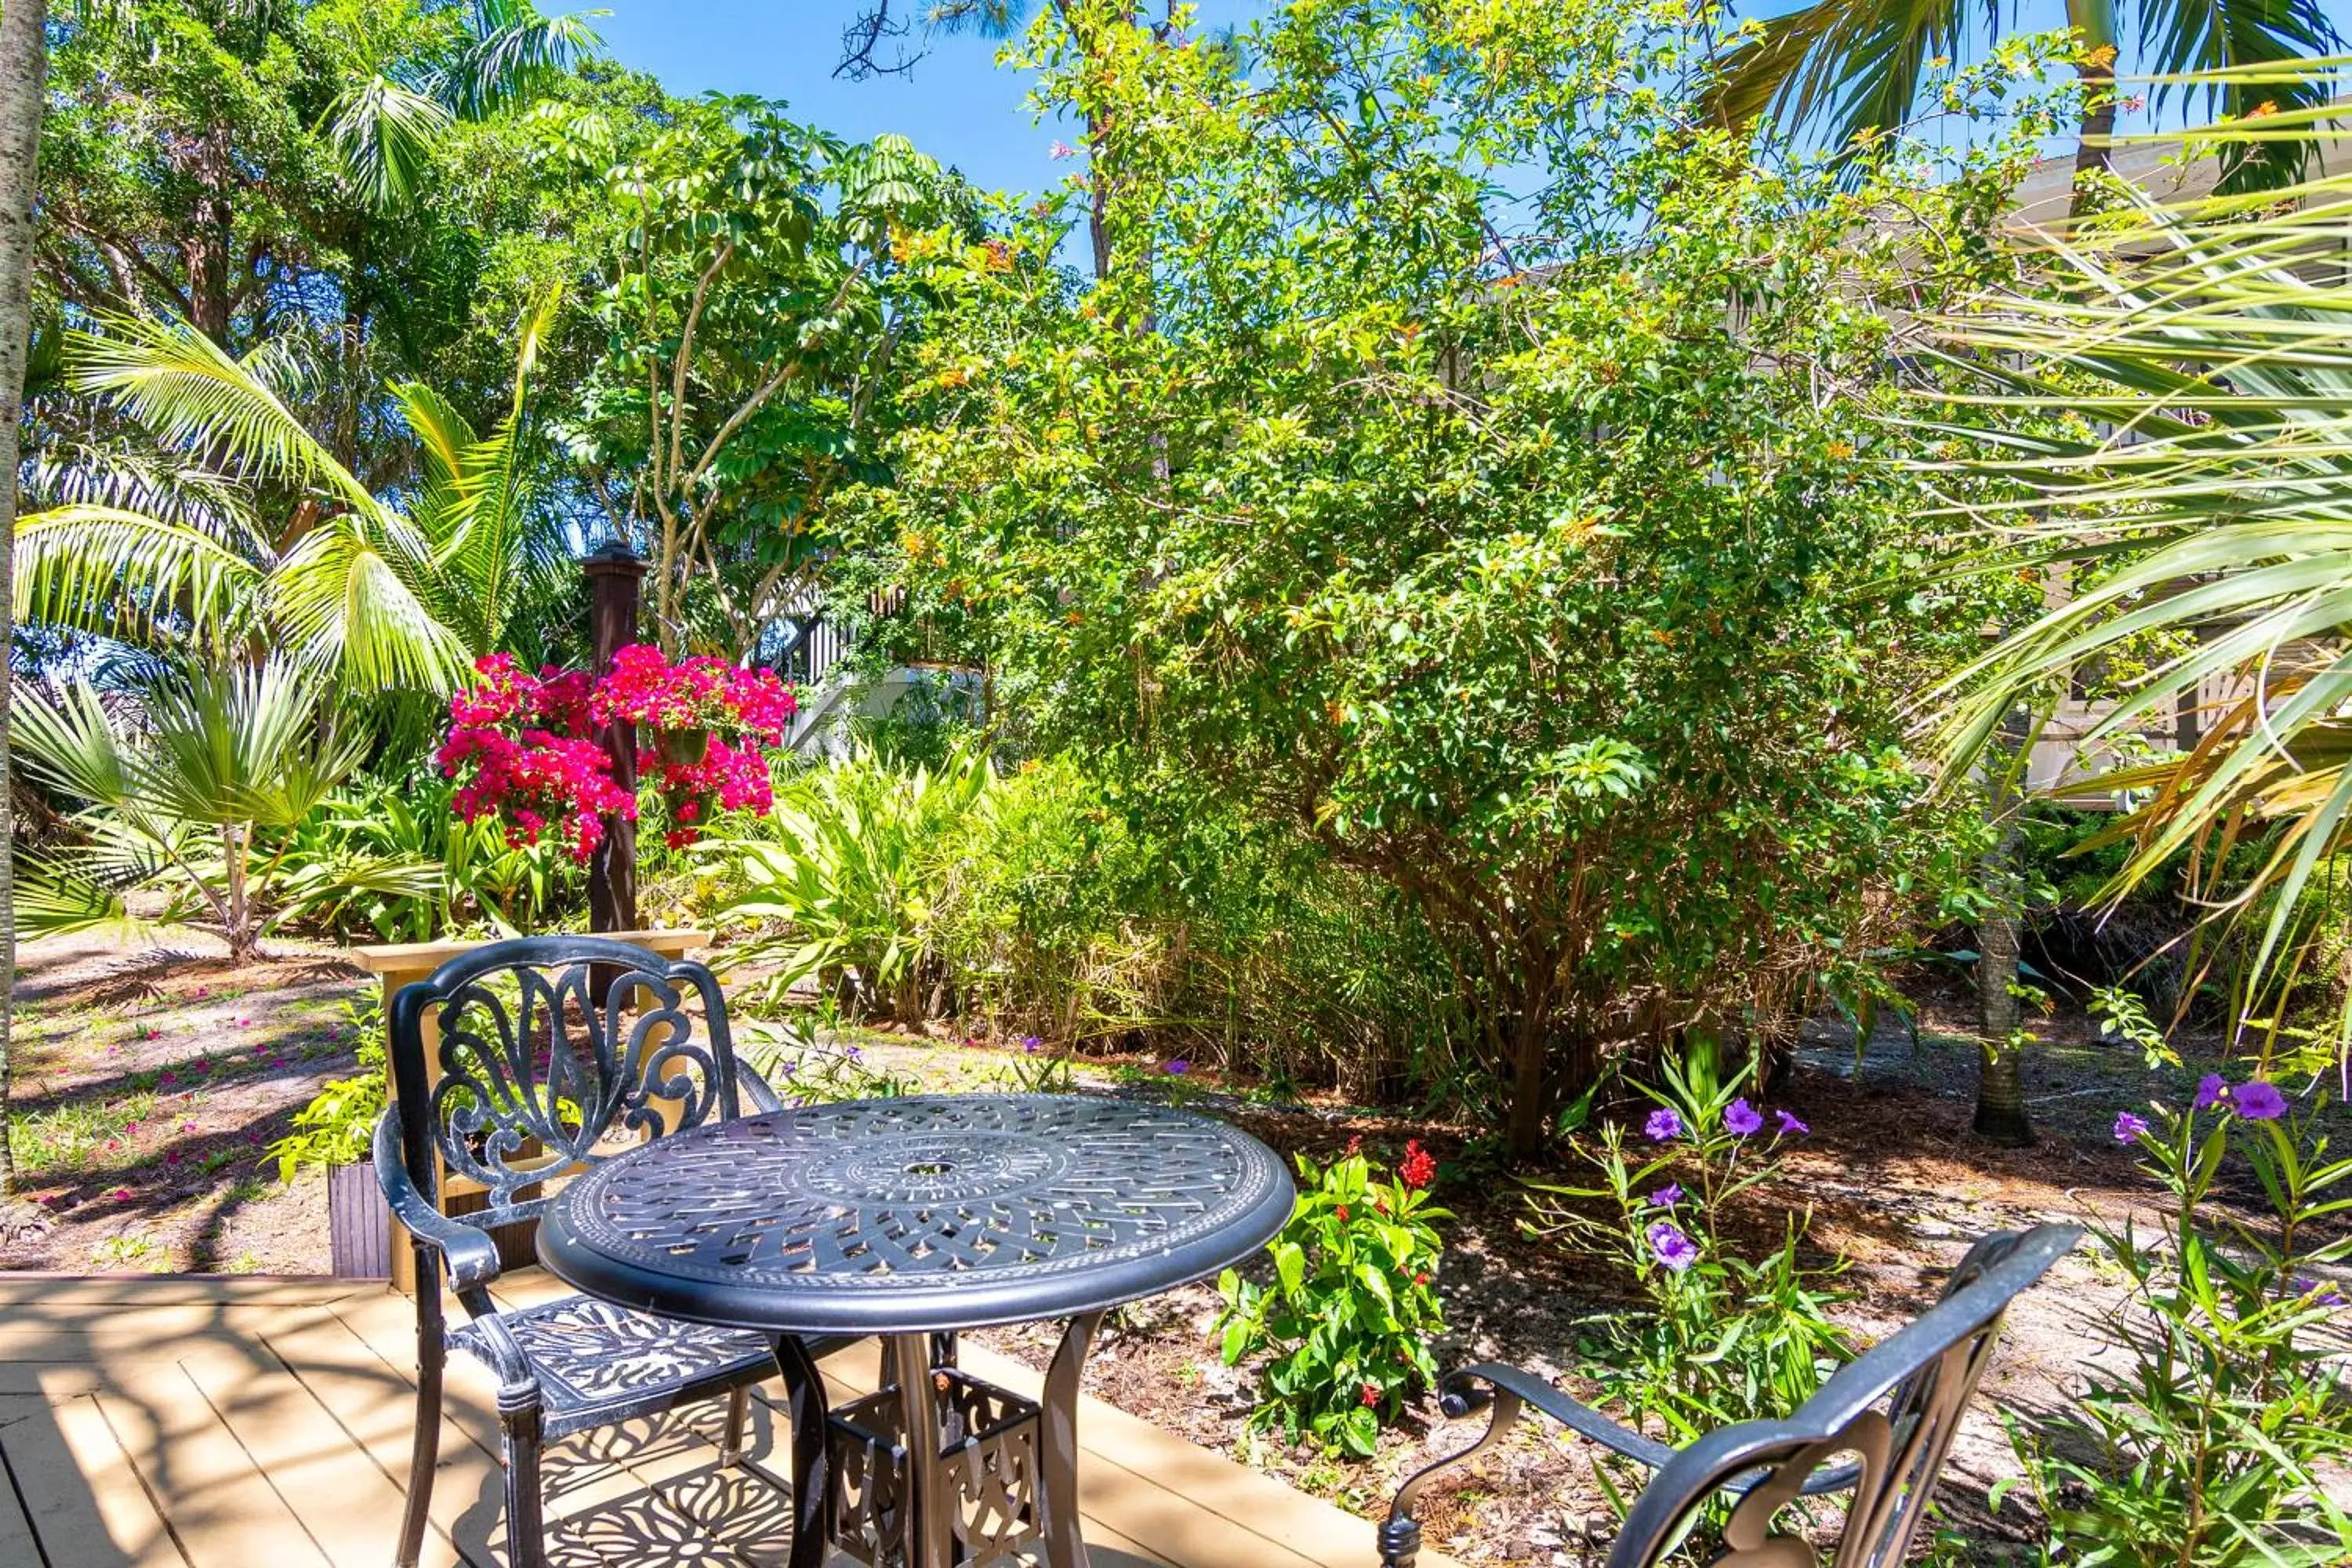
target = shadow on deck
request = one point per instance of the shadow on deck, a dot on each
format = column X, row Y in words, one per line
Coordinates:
column 194, row 1421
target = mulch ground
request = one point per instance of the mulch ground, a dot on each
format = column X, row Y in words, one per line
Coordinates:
column 149, row 1086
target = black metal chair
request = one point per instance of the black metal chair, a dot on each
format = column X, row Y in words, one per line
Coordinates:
column 554, row 1053
column 1891, row 1414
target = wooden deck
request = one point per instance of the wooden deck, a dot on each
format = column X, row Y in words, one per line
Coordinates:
column 199, row 1422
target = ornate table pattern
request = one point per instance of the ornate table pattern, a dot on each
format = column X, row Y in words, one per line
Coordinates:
column 911, row 1218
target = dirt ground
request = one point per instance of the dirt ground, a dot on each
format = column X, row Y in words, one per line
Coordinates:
column 150, row 1084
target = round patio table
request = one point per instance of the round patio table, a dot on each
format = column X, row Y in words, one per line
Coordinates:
column 909, row 1219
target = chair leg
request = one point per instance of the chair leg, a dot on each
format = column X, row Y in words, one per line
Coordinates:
column 738, row 1416
column 526, row 1524
column 425, row 1457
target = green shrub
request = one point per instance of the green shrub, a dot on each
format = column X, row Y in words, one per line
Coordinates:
column 1352, row 1310
column 2206, row 1446
column 1731, row 1334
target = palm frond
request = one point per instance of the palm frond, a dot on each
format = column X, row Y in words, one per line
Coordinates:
column 357, row 599
column 1839, row 67
column 241, row 746
column 382, row 134
column 103, row 569
column 514, row 55
column 194, row 396
column 2204, row 486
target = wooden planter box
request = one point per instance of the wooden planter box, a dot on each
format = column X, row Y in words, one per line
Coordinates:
column 359, row 1227
column 363, row 1242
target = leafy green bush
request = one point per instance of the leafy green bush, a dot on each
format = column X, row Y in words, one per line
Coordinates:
column 1509, row 552
column 855, row 876
column 1350, row 1312
column 1728, row 1336
column 337, row 1127
column 2206, row 1448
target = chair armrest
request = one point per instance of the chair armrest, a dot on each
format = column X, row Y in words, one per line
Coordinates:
column 1461, row 1394
column 756, row 1090
column 469, row 1255
column 1474, row 1388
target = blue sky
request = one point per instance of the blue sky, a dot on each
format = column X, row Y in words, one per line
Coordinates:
column 956, row 105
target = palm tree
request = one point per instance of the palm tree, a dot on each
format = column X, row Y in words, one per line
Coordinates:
column 240, row 532
column 383, row 129
column 23, row 79
column 2205, row 490
column 1846, row 68
column 180, row 793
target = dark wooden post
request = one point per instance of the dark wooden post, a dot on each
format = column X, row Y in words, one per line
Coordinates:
column 614, row 574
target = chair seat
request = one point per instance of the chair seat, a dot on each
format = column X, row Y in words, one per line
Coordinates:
column 597, row 1363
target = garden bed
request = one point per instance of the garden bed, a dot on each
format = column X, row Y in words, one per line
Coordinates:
column 151, row 1086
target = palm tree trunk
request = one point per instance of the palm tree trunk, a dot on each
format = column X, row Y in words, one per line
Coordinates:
column 2000, row 1084
column 24, row 81
column 2096, row 72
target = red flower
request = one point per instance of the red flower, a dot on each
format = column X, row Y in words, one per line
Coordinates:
column 1421, row 1279
column 1371, row 1394
column 1342, row 1211
column 1417, row 1169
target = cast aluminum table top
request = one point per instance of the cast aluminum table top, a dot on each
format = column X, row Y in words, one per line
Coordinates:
column 910, row 1215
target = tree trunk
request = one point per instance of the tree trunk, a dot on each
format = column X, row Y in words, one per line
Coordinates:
column 2097, row 75
column 24, row 78
column 2001, row 1085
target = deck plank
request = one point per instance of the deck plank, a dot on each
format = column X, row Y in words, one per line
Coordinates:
column 375, row 1405
column 346, row 1501
column 83, row 1499
column 270, row 1424
column 17, row 1542
column 218, row 1500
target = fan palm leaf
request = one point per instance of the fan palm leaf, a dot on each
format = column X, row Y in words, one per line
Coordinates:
column 2205, row 489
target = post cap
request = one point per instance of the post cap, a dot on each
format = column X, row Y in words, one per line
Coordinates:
column 610, row 557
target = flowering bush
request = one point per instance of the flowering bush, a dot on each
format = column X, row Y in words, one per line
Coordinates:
column 1730, row 1337
column 2206, row 1445
column 520, row 744
column 1350, row 1312
column 712, row 725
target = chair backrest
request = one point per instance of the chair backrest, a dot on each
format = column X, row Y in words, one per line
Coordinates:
column 1892, row 1411
column 551, row 1051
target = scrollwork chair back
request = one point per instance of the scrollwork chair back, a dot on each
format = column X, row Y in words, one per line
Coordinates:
column 1891, row 1414
column 554, row 1053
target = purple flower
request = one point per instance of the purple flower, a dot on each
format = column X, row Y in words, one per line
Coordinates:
column 1031, row 1044
column 1743, row 1118
column 853, row 1052
column 2257, row 1102
column 2211, row 1090
column 1663, row 1126
column 2318, row 1292
column 1672, row 1248
column 2128, row 1126
column 1176, row 1067
column 1667, row 1196
column 1790, row 1126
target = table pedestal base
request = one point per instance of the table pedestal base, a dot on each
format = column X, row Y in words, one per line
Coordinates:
column 936, row 1469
